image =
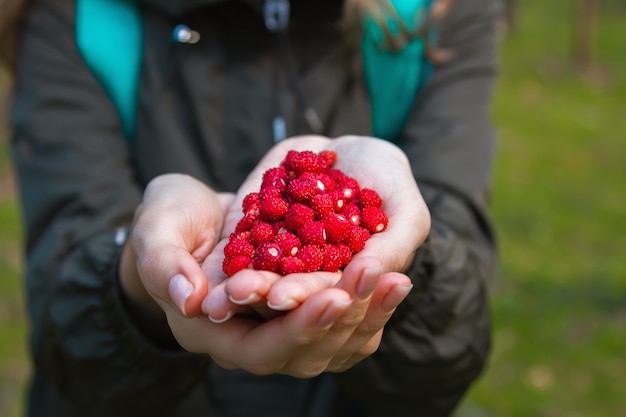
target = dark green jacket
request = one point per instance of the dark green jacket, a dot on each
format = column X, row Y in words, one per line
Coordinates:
column 206, row 110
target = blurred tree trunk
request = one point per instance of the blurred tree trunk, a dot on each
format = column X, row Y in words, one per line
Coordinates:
column 585, row 21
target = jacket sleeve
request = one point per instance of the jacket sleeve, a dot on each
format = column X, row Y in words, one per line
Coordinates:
column 438, row 341
column 78, row 193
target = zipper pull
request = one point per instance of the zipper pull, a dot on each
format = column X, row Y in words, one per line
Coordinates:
column 276, row 14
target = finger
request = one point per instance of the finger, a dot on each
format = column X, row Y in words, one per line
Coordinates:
column 291, row 290
column 172, row 276
column 266, row 347
column 390, row 291
column 358, row 280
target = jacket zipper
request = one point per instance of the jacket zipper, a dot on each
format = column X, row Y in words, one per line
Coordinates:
column 276, row 14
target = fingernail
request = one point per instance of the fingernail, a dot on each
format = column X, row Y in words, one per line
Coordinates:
column 395, row 296
column 254, row 297
column 367, row 282
column 287, row 304
column 329, row 316
column 180, row 289
column 227, row 317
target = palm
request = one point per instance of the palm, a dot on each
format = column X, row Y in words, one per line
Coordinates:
column 375, row 164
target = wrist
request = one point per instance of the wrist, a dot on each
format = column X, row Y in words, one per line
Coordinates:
column 146, row 315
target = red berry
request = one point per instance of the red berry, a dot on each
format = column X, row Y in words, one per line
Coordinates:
column 346, row 254
column 327, row 183
column 336, row 226
column 339, row 201
column 356, row 238
column 312, row 257
column 275, row 177
column 238, row 247
column 329, row 157
column 369, row 197
column 288, row 161
column 247, row 221
column 349, row 187
column 245, row 236
column 353, row 214
column 312, row 233
column 323, row 205
column 332, row 258
column 302, row 189
column 234, row 265
column 261, row 232
column 289, row 243
column 267, row 257
column 374, row 219
column 273, row 209
column 307, row 161
column 291, row 265
column 251, row 202
column 298, row 215
column 267, row 193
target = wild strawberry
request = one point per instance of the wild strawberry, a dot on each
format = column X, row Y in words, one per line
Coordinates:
column 275, row 177
column 336, row 226
column 287, row 162
column 289, row 243
column 267, row 193
column 273, row 209
column 247, row 221
column 329, row 157
column 236, row 264
column 267, row 257
column 312, row 233
column 306, row 161
column 349, row 187
column 245, row 236
column 312, row 257
column 238, row 247
column 356, row 238
column 323, row 205
column 302, row 189
column 369, row 197
column 298, row 215
column 280, row 228
column 261, row 232
column 345, row 253
column 332, row 259
column 339, row 200
column 251, row 202
column 291, row 265
column 374, row 219
column 353, row 214
column 327, row 183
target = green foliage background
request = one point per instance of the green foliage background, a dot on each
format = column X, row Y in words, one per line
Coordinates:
column 558, row 203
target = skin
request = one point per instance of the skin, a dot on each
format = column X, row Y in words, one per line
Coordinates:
column 300, row 324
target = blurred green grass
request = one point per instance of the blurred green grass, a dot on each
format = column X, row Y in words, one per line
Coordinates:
column 558, row 205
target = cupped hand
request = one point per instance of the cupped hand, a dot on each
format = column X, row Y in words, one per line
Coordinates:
column 177, row 225
column 331, row 330
column 376, row 164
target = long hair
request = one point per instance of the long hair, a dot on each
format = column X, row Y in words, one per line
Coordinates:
column 356, row 11
column 11, row 12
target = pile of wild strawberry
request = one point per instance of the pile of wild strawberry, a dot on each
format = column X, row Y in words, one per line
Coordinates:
column 307, row 217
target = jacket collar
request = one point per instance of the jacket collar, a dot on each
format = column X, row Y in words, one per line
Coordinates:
column 179, row 7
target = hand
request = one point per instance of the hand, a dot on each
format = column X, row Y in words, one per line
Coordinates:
column 176, row 227
column 331, row 330
column 375, row 164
